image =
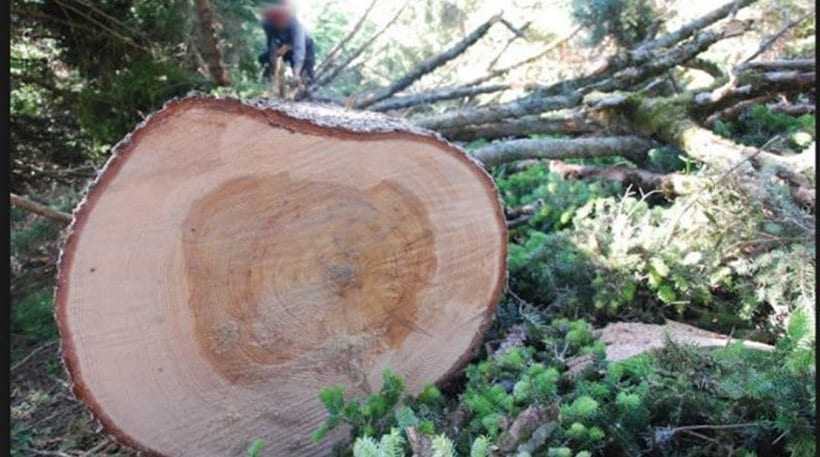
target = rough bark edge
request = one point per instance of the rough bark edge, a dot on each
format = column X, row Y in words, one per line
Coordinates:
column 303, row 118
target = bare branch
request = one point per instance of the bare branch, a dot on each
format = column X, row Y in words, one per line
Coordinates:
column 753, row 84
column 343, row 42
column 335, row 71
column 427, row 66
column 509, row 43
column 546, row 51
column 693, row 27
column 773, row 39
column 706, row 66
column 553, row 148
column 732, row 112
column 779, row 65
column 436, row 95
column 23, row 203
column 516, row 108
column 468, row 89
column 571, row 122
column 662, row 61
column 794, row 109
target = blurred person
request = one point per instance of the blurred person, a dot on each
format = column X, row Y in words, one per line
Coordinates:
column 288, row 39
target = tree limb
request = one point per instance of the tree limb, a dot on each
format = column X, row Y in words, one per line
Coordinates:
column 484, row 115
column 23, row 203
column 426, row 66
column 664, row 60
column 672, row 184
column 778, row 65
column 692, row 27
column 668, row 120
column 468, row 89
column 343, row 42
column 334, row 72
column 753, row 84
column 518, row 33
column 436, row 95
column 734, row 111
column 563, row 122
column 773, row 39
column 552, row 148
column 502, row 71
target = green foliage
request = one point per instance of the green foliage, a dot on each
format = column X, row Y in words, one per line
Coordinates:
column 560, row 198
column 736, row 398
column 112, row 107
column 33, row 316
column 442, row 447
column 255, row 449
column 624, row 257
column 759, row 124
column 628, row 22
column 370, row 416
column 480, row 447
column 390, row 445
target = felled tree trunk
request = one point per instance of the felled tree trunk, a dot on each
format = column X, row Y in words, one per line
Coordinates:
column 232, row 260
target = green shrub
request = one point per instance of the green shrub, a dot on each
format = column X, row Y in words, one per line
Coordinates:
column 759, row 124
column 734, row 399
column 559, row 198
column 627, row 21
column 624, row 258
column 33, row 316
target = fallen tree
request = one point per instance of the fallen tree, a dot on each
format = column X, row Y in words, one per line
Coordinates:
column 617, row 109
column 246, row 282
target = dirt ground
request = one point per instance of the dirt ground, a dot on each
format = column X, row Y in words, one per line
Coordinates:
column 46, row 419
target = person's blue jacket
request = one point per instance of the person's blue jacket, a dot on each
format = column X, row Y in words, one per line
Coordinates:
column 301, row 55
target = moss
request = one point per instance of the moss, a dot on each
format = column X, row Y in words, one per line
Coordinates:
column 664, row 117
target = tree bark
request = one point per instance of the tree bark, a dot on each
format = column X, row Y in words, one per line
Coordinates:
column 565, row 123
column 210, row 50
column 485, row 115
column 436, row 95
column 550, row 148
column 672, row 184
column 692, row 27
column 667, row 120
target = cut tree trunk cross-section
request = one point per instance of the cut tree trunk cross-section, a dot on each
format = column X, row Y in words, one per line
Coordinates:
column 232, row 260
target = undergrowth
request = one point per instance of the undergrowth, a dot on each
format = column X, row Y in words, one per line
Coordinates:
column 680, row 400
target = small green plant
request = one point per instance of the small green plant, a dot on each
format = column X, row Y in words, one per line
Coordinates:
column 390, row 445
column 736, row 399
column 371, row 416
column 255, row 449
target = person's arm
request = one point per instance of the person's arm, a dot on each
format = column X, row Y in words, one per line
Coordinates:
column 268, row 35
column 299, row 48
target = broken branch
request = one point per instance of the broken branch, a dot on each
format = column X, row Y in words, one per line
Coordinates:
column 42, row 210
